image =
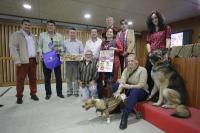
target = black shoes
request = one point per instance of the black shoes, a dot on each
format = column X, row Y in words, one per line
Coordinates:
column 68, row 95
column 47, row 97
column 124, row 121
column 61, row 96
column 34, row 97
column 19, row 101
column 76, row 95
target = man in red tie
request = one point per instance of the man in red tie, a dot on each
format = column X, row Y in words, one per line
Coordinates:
column 127, row 38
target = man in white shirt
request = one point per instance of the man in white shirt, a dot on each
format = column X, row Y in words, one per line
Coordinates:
column 94, row 43
column 23, row 51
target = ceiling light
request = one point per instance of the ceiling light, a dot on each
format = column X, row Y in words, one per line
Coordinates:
column 27, row 6
column 130, row 23
column 87, row 16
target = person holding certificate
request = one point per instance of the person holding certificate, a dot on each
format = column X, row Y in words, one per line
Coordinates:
column 111, row 44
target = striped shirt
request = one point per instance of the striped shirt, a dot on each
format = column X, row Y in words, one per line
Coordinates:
column 87, row 72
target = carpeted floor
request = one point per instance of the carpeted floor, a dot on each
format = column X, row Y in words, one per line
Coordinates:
column 59, row 116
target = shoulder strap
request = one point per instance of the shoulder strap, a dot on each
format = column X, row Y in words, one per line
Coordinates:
column 132, row 72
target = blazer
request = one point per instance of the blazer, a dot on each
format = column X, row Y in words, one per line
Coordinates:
column 131, row 49
column 18, row 47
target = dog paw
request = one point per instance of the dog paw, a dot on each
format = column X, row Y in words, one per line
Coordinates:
column 156, row 104
column 108, row 120
column 165, row 106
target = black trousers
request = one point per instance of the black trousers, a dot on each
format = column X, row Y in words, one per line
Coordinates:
column 121, row 58
column 148, row 66
column 47, row 78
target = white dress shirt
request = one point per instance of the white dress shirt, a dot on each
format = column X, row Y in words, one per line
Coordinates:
column 30, row 45
column 93, row 46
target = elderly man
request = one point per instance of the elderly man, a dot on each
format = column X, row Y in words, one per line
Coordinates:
column 134, row 82
column 72, row 46
column 87, row 76
column 23, row 51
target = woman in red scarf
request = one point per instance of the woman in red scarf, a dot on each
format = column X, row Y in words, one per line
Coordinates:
column 111, row 43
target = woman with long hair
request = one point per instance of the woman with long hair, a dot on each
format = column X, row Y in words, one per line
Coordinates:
column 159, row 37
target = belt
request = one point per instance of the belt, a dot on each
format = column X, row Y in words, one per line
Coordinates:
column 32, row 58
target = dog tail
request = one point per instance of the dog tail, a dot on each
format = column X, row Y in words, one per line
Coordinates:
column 181, row 112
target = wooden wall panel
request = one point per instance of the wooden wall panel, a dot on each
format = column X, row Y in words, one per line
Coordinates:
column 189, row 69
column 191, row 79
column 197, row 95
column 7, row 67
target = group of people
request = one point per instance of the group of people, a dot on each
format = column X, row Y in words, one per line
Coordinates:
column 83, row 75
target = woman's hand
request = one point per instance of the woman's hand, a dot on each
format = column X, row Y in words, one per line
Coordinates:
column 112, row 48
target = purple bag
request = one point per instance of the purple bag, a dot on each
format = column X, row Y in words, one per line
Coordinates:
column 51, row 59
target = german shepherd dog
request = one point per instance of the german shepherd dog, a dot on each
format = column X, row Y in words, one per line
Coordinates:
column 171, row 87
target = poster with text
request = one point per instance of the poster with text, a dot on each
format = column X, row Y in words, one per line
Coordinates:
column 106, row 60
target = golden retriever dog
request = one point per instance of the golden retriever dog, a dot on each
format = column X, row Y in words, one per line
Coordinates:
column 171, row 87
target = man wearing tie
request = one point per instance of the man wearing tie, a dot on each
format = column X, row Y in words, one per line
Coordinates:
column 127, row 38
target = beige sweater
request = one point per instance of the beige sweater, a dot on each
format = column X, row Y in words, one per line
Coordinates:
column 138, row 77
column 18, row 47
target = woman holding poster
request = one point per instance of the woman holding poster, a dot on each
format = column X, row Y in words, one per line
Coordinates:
column 113, row 48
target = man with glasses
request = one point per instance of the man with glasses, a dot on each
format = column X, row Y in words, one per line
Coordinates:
column 51, row 36
column 87, row 76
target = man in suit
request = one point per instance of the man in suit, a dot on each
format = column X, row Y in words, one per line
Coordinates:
column 23, row 51
column 110, row 24
column 43, row 47
column 127, row 38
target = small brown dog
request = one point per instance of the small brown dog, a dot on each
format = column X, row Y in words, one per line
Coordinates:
column 105, row 106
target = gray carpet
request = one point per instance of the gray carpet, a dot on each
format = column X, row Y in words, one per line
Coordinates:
column 59, row 116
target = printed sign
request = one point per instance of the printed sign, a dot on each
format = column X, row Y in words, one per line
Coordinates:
column 106, row 60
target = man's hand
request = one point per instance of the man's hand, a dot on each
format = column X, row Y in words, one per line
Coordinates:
column 116, row 94
column 80, row 83
column 92, row 82
column 18, row 65
column 40, row 56
column 125, row 54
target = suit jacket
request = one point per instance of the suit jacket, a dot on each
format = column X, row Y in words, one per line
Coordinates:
column 18, row 47
column 131, row 49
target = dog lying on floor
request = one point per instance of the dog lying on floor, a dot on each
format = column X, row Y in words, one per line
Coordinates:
column 172, row 92
column 105, row 106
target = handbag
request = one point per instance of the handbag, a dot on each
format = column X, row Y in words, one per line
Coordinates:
column 51, row 58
